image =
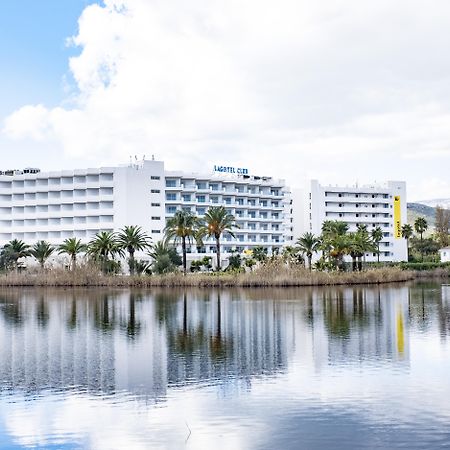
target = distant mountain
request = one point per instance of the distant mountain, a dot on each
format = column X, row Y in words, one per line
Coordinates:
column 423, row 210
column 444, row 202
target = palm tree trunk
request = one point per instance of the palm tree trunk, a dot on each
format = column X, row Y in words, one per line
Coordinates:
column 309, row 262
column 183, row 248
column 218, row 253
column 131, row 261
column 378, row 254
column 74, row 262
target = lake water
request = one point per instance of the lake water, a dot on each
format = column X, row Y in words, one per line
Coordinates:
column 312, row 368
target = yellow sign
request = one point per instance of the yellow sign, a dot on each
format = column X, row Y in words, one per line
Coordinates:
column 397, row 217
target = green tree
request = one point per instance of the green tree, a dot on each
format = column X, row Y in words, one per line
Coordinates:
column 165, row 257
column 13, row 251
column 217, row 220
column 377, row 237
column 72, row 247
column 184, row 227
column 42, row 250
column 132, row 238
column 308, row 244
column 260, row 254
column 407, row 233
column 250, row 263
column 103, row 248
column 421, row 225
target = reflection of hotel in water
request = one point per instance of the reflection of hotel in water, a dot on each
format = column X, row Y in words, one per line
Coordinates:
column 123, row 342
column 351, row 325
column 106, row 343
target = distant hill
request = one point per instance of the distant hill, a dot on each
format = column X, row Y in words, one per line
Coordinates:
column 421, row 210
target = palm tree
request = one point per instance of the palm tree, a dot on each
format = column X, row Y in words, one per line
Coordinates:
column 14, row 250
column 42, row 250
column 104, row 247
column 183, row 226
column 72, row 247
column 217, row 221
column 308, row 244
column 377, row 237
column 132, row 239
column 421, row 225
column 407, row 232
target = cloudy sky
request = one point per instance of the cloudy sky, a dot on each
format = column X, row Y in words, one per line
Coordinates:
column 340, row 90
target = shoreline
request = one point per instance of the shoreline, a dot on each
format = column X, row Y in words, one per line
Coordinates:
column 283, row 278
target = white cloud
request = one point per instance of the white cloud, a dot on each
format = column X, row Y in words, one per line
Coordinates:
column 291, row 87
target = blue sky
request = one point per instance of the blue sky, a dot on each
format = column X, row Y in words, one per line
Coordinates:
column 33, row 51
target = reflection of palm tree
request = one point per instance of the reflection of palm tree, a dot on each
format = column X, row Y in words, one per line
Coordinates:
column 72, row 322
column 336, row 320
column 42, row 313
column 218, row 344
column 133, row 325
column 12, row 310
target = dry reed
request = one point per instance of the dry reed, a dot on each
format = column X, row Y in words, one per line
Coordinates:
column 266, row 276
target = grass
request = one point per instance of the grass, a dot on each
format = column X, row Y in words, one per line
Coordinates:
column 274, row 275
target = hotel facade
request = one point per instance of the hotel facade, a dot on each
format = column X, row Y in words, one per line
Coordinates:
column 53, row 206
column 377, row 205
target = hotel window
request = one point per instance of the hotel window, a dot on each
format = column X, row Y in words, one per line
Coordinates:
column 156, row 204
column 171, row 183
column 156, row 218
column 263, row 203
column 103, row 191
column 252, row 214
column 201, row 199
column 227, row 200
column 171, row 209
column 263, row 215
column 201, row 211
column 106, row 176
column 186, row 197
column 79, row 179
column 214, row 199
column 214, row 187
column 171, row 197
column 156, row 231
column 186, row 208
column 155, row 177
column 201, row 186
column 92, row 178
column 155, row 191
column 240, row 201
column 251, row 202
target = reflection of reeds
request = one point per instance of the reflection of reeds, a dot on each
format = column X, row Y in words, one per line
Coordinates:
column 266, row 276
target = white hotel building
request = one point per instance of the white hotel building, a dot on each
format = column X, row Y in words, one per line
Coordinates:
column 381, row 206
column 54, row 206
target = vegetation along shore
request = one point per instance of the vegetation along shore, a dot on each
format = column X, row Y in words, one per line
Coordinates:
column 109, row 258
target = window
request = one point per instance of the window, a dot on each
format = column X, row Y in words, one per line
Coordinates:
column 227, row 200
column 171, row 183
column 201, row 211
column 155, row 177
column 171, row 197
column 186, row 197
column 156, row 204
column 156, row 231
column 240, row 201
column 156, row 218
column 214, row 199
column 201, row 186
column 155, row 191
column 214, row 187
column 201, row 198
column 171, row 209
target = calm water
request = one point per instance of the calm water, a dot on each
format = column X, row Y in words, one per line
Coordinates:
column 341, row 368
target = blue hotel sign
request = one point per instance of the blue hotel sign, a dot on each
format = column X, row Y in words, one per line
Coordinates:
column 235, row 170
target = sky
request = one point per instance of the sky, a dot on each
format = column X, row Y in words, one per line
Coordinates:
column 344, row 91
